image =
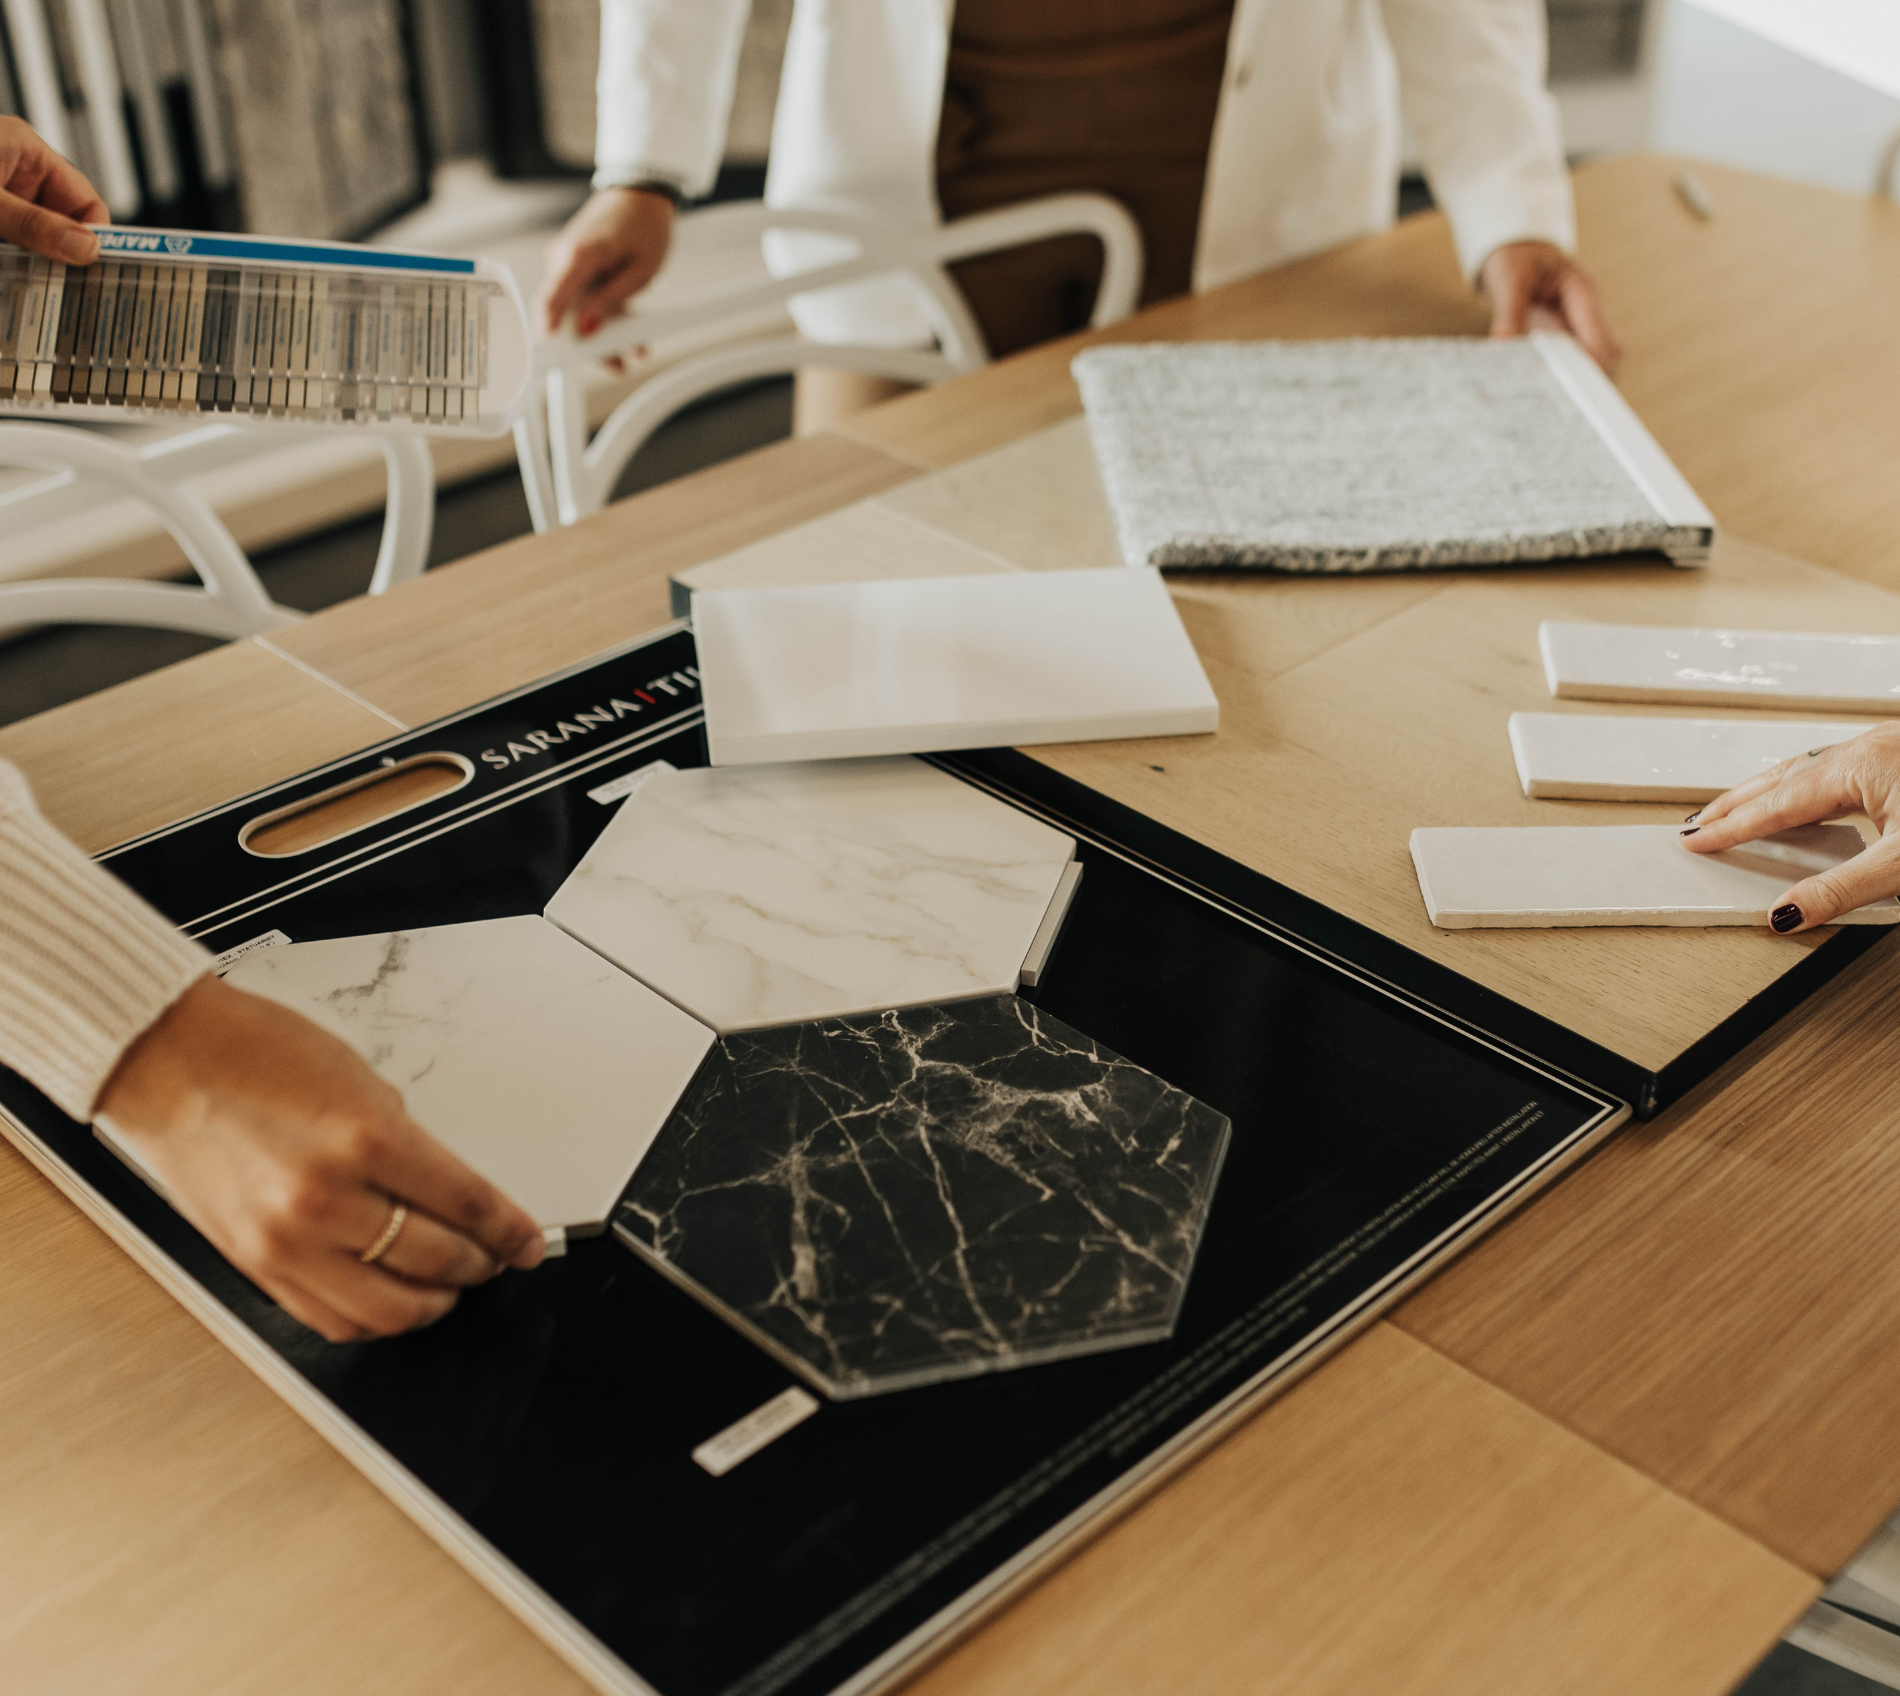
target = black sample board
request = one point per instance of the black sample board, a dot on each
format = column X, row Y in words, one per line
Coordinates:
column 546, row 1431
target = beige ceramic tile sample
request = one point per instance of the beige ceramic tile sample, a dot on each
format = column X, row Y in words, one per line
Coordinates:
column 1637, row 874
column 1038, row 502
column 1710, row 667
column 1605, row 757
column 841, row 670
column 857, row 544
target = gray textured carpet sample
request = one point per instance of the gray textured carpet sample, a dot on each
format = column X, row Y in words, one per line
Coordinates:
column 1363, row 455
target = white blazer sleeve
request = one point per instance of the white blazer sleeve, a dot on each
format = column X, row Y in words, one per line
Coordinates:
column 667, row 70
column 1471, row 77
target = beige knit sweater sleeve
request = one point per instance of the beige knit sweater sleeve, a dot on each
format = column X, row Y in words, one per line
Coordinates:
column 86, row 966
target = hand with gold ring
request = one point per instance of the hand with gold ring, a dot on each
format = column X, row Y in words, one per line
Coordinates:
column 299, row 1163
column 1861, row 775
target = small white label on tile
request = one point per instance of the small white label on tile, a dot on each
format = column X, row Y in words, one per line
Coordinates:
column 742, row 1440
column 627, row 782
column 231, row 956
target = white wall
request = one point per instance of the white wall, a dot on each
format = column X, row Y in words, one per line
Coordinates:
column 1768, row 99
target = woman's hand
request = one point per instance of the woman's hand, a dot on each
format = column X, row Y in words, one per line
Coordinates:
column 289, row 1153
column 1857, row 776
column 609, row 251
column 1523, row 279
column 45, row 200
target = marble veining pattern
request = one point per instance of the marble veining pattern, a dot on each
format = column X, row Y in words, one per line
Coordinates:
column 755, row 896
column 543, row 1066
column 928, row 1194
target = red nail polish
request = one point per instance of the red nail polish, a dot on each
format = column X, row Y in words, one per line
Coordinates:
column 1784, row 919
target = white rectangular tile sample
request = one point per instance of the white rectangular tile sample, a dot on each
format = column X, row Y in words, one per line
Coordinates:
column 1597, row 757
column 763, row 895
column 1638, row 874
column 1736, row 668
column 543, row 1066
column 837, row 670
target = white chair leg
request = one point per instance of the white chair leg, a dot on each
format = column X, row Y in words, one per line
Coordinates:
column 1849, row 1642
column 123, row 600
column 409, row 516
column 567, row 445
column 1871, row 1582
column 531, row 454
column 230, row 582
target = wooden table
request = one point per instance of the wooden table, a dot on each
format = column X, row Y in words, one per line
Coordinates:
column 1618, row 1447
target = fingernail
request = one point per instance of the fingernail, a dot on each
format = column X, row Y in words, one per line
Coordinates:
column 588, row 326
column 78, row 247
column 1693, row 816
column 1690, row 831
column 1784, row 919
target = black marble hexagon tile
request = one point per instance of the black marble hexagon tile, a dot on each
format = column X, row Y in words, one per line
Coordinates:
column 900, row 1198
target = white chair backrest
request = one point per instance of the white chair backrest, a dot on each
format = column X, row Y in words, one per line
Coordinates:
column 232, row 601
column 567, row 476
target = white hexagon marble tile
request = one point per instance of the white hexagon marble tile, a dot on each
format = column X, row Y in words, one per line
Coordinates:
column 529, row 1056
column 763, row 895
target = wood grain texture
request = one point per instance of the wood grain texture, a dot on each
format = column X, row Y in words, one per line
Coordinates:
column 515, row 613
column 1716, row 1296
column 168, row 744
column 1321, row 769
column 168, row 1526
column 1763, row 349
column 1395, row 1525
column 1710, row 1302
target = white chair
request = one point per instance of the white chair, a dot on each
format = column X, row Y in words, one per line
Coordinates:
column 567, row 476
column 1870, row 1588
column 85, row 466
column 1848, row 1641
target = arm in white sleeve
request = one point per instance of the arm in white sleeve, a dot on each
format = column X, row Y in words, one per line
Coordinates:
column 86, row 966
column 667, row 73
column 1471, row 77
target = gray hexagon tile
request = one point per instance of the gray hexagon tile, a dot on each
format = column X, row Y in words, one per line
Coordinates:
column 928, row 1194
column 755, row 896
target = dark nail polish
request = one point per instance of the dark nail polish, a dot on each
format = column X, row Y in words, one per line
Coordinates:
column 1784, row 919
column 1690, row 831
column 1693, row 816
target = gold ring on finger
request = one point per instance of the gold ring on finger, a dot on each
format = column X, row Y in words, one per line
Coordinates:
column 392, row 1229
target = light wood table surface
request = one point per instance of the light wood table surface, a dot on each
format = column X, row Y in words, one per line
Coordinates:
column 1615, row 1448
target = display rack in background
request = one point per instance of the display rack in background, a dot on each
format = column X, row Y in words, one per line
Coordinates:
column 273, row 116
column 294, row 117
